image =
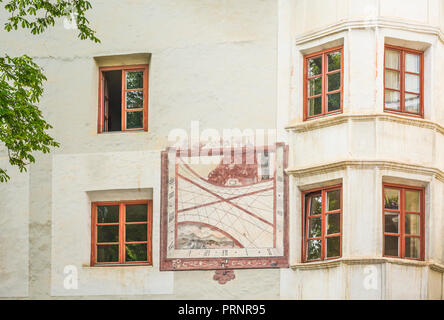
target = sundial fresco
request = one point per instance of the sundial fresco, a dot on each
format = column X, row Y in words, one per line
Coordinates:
column 224, row 208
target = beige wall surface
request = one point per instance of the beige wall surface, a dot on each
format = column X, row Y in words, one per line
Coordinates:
column 207, row 59
column 229, row 64
column 365, row 146
column 14, row 235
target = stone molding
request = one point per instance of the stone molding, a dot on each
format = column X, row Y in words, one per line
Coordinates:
column 377, row 22
column 323, row 122
column 384, row 164
column 366, row 261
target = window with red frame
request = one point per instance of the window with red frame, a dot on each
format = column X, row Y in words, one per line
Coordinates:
column 403, row 81
column 323, row 224
column 123, row 98
column 403, row 222
column 323, row 83
column 121, row 233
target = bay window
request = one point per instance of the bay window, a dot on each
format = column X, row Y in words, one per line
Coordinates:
column 403, row 81
column 322, row 224
column 323, row 83
column 403, row 222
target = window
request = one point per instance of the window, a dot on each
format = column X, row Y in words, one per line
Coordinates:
column 403, row 222
column 121, row 233
column 323, row 83
column 123, row 98
column 323, row 224
column 403, row 81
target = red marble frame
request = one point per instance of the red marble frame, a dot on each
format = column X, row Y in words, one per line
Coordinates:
column 178, row 264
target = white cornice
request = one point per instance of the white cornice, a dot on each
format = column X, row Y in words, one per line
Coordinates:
column 370, row 23
column 342, row 118
column 383, row 164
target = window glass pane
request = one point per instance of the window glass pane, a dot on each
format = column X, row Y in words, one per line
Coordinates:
column 135, row 232
column 134, row 79
column 392, row 59
column 334, row 101
column 107, row 234
column 314, row 66
column 391, row 246
column 333, row 247
column 412, row 198
column 314, row 227
column 391, row 222
column 134, row 120
column 136, row 212
column 107, row 214
column 134, row 99
column 314, row 106
column 412, row 103
column 108, row 253
column 314, row 86
column 392, row 99
column 391, row 198
column 136, row 252
column 334, row 61
column 412, row 224
column 411, row 83
column 333, row 200
column 333, row 223
column 392, row 79
column 314, row 249
column 315, row 205
column 412, row 62
column 412, row 247
column 333, row 81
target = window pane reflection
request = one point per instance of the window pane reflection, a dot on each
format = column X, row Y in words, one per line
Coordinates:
column 412, row 248
column 391, row 247
column 314, row 249
column 412, row 63
column 391, row 198
column 392, row 59
column 392, row 99
column 315, row 66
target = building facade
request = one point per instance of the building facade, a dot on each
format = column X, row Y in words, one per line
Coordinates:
column 351, row 88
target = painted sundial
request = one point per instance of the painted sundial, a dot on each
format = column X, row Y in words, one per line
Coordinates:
column 224, row 208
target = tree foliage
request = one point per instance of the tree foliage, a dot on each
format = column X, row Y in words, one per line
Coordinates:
column 22, row 127
column 38, row 15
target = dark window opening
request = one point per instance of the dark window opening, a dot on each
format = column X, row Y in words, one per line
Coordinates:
column 113, row 100
column 123, row 98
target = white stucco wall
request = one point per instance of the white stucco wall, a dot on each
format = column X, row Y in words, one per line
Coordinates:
column 364, row 147
column 206, row 59
column 230, row 64
column 14, row 236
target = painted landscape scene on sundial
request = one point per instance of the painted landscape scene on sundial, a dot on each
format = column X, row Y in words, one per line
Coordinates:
column 226, row 205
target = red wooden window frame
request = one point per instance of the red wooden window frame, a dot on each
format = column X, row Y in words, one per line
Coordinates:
column 101, row 125
column 402, row 72
column 324, row 213
column 122, row 222
column 323, row 75
column 402, row 212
